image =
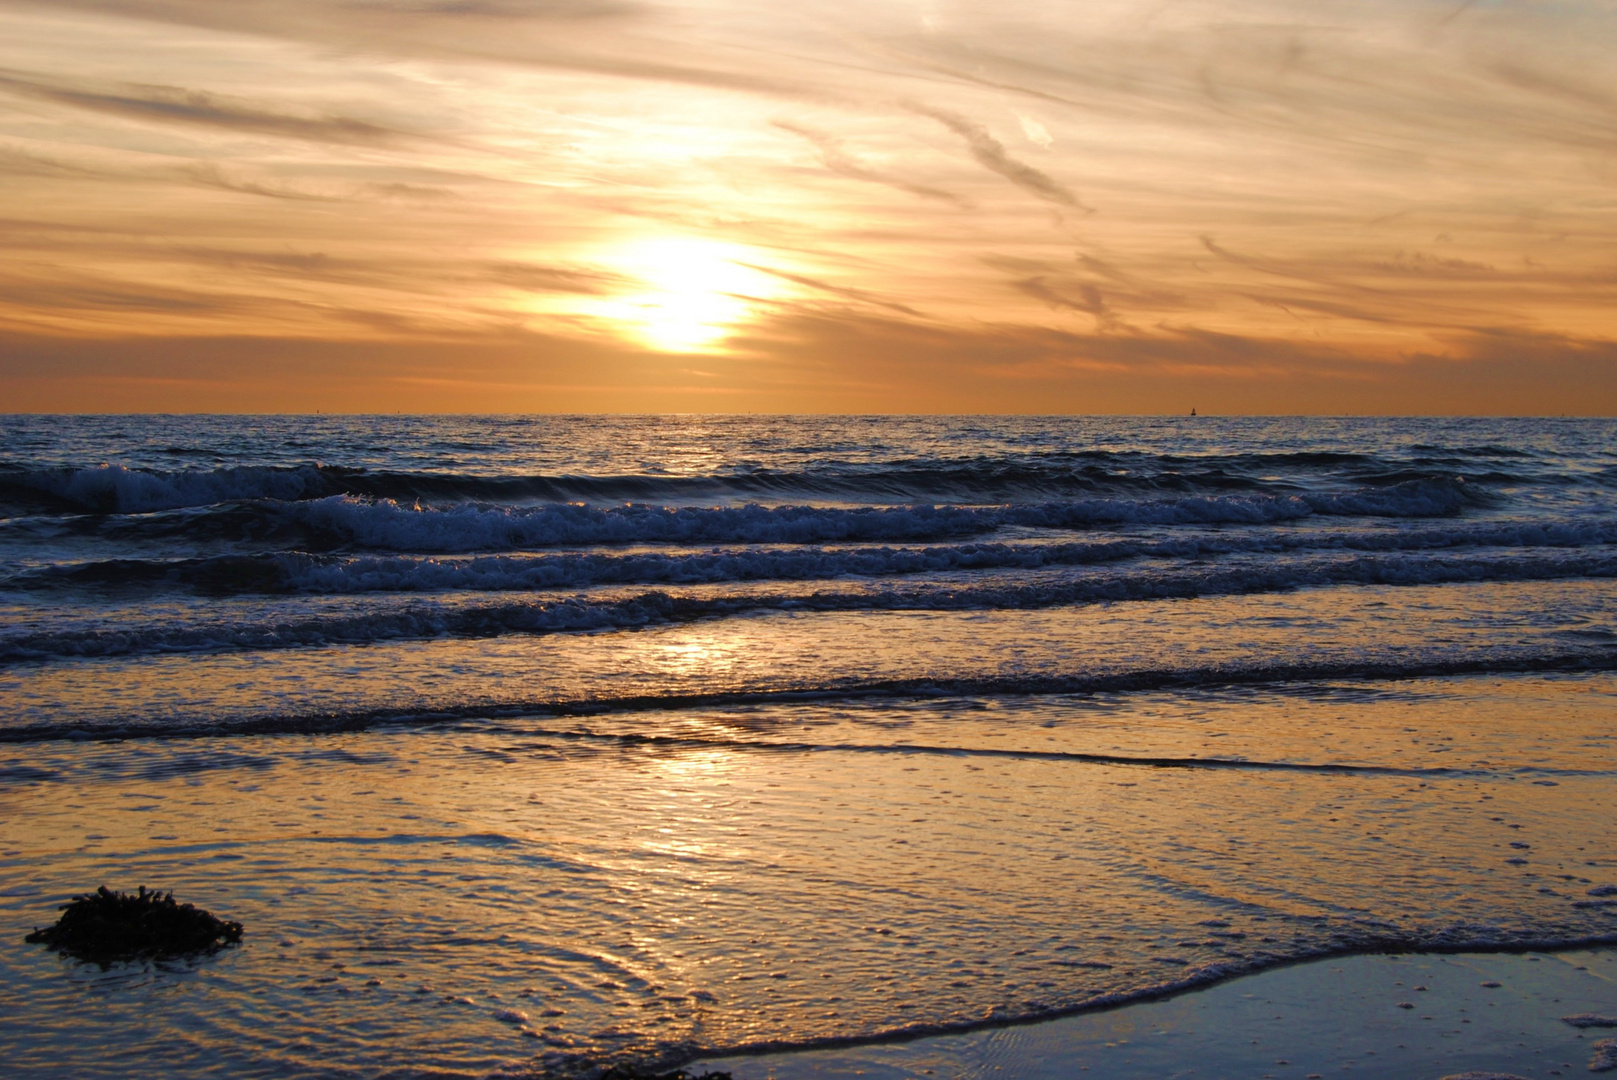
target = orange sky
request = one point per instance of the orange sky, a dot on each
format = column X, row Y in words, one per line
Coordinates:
column 614, row 205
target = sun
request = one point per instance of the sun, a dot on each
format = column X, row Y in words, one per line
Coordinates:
column 694, row 291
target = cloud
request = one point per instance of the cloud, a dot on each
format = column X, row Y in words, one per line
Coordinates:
column 1414, row 290
column 404, row 277
column 509, row 9
column 821, row 361
column 583, row 36
column 1266, row 266
column 1090, row 300
column 85, row 295
column 1322, row 307
column 1366, row 185
column 1036, row 132
column 207, row 174
column 172, row 104
column 533, row 277
column 398, row 191
column 858, row 295
column 1010, row 368
column 990, row 154
column 321, row 14
column 833, row 157
column 19, row 163
column 1102, row 290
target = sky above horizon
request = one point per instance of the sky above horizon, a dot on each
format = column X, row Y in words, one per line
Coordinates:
column 1248, row 206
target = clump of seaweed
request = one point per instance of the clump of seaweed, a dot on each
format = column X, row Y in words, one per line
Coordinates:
column 628, row 1072
column 105, row 926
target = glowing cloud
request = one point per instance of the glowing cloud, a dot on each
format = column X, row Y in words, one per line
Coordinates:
column 1303, row 194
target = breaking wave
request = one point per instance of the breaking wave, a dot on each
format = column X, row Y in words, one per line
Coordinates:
column 116, row 489
column 545, row 615
column 298, row 572
column 349, row 521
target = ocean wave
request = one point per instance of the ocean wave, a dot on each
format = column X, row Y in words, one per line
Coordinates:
column 116, row 489
column 299, row 572
column 1275, row 675
column 419, row 619
column 387, row 525
column 349, row 521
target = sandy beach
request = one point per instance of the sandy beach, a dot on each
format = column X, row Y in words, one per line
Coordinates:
column 529, row 747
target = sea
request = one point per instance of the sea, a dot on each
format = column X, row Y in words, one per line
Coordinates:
column 532, row 745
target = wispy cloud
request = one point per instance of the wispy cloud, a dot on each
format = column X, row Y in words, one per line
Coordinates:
column 584, row 36
column 1363, row 191
column 207, row 174
column 990, row 153
column 825, row 361
column 1036, row 132
column 172, row 104
column 858, row 295
column 1089, row 300
column 534, row 277
column 834, row 157
column 512, row 9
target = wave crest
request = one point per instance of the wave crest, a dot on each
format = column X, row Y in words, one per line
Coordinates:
column 116, row 489
column 384, row 524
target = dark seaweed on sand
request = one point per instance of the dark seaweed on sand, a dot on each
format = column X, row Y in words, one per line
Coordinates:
column 104, row 926
column 624, row 1072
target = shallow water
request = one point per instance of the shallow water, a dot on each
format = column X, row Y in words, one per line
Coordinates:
column 1420, row 1017
column 852, row 727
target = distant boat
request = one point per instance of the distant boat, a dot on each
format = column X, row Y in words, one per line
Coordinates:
column 1192, row 412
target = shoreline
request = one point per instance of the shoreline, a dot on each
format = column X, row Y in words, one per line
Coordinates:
column 1357, row 1003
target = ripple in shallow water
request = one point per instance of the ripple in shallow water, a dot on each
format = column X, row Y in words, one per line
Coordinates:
column 655, row 897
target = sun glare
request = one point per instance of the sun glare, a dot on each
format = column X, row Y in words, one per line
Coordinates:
column 696, row 292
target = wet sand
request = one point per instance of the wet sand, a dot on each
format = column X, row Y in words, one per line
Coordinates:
column 541, row 894
column 1486, row 1012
